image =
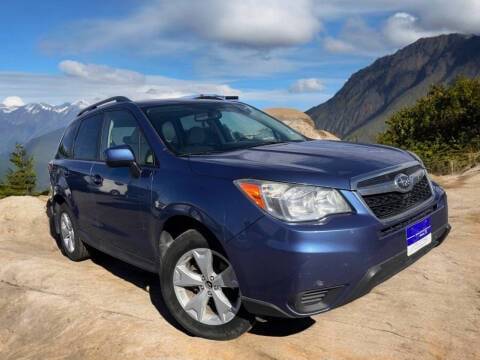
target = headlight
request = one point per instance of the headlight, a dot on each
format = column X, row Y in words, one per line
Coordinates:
column 292, row 202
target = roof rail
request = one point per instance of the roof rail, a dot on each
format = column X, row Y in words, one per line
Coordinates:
column 97, row 104
column 214, row 97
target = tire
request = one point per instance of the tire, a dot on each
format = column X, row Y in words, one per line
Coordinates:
column 209, row 315
column 69, row 240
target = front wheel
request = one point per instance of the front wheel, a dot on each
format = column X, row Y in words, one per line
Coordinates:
column 201, row 290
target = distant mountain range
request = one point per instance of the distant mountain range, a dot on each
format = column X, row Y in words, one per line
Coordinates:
column 359, row 110
column 23, row 123
column 37, row 126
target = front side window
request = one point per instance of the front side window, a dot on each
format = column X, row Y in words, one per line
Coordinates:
column 86, row 143
column 209, row 127
column 121, row 128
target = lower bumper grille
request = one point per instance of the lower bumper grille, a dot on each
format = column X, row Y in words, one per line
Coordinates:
column 394, row 203
column 313, row 296
column 316, row 300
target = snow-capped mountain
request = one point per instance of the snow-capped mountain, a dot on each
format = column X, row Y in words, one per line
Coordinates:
column 19, row 124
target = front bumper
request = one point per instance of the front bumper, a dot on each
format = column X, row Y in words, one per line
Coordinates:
column 299, row 270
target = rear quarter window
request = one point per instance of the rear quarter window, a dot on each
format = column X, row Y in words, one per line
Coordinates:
column 65, row 149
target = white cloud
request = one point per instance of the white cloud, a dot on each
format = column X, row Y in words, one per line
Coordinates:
column 310, row 85
column 260, row 38
column 402, row 29
column 459, row 15
column 13, row 101
column 234, row 63
column 357, row 37
column 244, row 38
column 160, row 88
column 284, row 98
column 57, row 89
column 101, row 73
column 264, row 24
column 411, row 20
column 338, row 46
column 92, row 81
column 255, row 24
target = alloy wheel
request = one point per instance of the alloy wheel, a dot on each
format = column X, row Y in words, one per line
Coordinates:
column 206, row 287
column 67, row 232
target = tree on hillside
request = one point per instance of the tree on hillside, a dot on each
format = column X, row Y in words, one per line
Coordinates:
column 22, row 179
column 442, row 127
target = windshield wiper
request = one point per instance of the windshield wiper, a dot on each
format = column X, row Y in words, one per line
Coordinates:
column 202, row 153
column 209, row 152
column 274, row 143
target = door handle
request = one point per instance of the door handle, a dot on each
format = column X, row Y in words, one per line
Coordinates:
column 97, row 179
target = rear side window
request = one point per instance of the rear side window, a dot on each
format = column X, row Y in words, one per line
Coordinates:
column 65, row 149
column 86, row 143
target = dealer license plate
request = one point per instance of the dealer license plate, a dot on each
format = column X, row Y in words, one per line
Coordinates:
column 419, row 235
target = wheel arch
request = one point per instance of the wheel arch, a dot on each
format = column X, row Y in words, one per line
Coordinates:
column 180, row 218
column 56, row 201
column 177, row 225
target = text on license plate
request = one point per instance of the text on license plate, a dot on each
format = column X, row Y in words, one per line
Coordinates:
column 419, row 235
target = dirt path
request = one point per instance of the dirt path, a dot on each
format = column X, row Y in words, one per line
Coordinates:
column 51, row 308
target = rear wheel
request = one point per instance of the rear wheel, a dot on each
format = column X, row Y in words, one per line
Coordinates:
column 201, row 290
column 70, row 242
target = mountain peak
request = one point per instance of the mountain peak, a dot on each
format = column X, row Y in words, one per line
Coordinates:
column 81, row 103
column 22, row 123
column 361, row 107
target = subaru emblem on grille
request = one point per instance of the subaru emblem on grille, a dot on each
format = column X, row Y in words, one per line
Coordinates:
column 403, row 182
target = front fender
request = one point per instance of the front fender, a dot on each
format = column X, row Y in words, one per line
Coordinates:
column 162, row 239
column 195, row 213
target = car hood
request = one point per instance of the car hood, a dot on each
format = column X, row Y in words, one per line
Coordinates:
column 321, row 162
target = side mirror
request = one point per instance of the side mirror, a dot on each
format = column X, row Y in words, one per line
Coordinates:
column 122, row 156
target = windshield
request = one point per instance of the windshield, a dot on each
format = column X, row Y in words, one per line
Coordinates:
column 212, row 127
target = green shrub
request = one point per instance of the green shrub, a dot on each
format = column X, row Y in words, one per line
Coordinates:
column 21, row 180
column 443, row 127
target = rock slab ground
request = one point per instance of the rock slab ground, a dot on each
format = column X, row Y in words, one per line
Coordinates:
column 51, row 308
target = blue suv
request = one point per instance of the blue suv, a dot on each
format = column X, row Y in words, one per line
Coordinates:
column 241, row 216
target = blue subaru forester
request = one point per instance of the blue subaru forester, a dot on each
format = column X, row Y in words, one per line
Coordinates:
column 241, row 216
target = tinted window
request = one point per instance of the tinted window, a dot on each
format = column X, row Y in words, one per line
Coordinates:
column 121, row 128
column 207, row 127
column 86, row 143
column 65, row 149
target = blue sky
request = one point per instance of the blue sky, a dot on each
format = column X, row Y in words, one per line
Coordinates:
column 270, row 52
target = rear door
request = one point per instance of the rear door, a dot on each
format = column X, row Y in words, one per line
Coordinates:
column 122, row 200
column 77, row 173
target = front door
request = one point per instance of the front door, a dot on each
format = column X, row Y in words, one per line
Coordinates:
column 123, row 201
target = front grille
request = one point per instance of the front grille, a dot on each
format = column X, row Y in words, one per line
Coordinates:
column 402, row 224
column 394, row 203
